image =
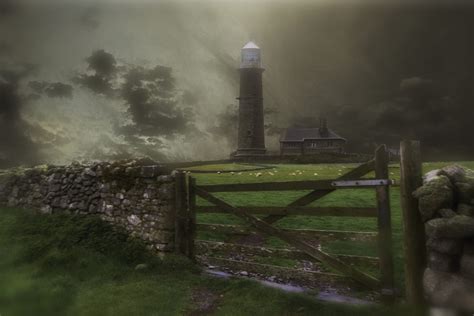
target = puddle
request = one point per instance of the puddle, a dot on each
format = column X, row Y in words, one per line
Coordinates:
column 217, row 273
column 326, row 296
column 285, row 287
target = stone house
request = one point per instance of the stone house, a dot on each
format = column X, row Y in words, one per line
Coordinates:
column 309, row 141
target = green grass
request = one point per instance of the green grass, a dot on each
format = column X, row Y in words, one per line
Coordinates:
column 225, row 167
column 77, row 265
column 346, row 197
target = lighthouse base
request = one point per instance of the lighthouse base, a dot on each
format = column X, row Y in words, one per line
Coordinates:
column 250, row 152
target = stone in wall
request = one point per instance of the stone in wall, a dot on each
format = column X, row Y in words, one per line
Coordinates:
column 456, row 227
column 445, row 245
column 442, row 261
column 434, row 195
column 446, row 213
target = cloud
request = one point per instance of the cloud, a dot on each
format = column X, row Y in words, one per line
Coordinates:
column 103, row 68
column 16, row 144
column 152, row 101
column 52, row 90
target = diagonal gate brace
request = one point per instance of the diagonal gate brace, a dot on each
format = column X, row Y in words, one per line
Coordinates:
column 315, row 253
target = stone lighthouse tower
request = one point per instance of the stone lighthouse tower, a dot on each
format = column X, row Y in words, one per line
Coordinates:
column 251, row 138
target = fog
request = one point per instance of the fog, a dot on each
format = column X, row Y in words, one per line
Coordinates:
column 118, row 79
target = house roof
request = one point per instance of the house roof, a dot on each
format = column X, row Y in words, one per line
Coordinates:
column 298, row 134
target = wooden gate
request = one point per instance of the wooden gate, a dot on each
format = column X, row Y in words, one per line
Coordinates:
column 187, row 190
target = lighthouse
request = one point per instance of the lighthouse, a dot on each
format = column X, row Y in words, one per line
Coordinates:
column 251, row 135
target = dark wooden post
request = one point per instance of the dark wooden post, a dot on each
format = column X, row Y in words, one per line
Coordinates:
column 384, row 225
column 414, row 230
column 191, row 219
column 181, row 213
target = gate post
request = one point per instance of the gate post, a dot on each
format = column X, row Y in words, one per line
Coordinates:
column 384, row 223
column 180, row 213
column 191, row 219
column 185, row 224
column 414, row 230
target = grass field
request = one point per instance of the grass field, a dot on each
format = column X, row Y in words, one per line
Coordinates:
column 72, row 265
column 346, row 197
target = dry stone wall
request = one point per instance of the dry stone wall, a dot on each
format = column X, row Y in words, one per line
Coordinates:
column 446, row 204
column 138, row 198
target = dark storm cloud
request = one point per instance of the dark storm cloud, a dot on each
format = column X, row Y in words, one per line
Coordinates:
column 422, row 111
column 103, row 63
column 151, row 98
column 10, row 100
column 104, row 69
column 16, row 144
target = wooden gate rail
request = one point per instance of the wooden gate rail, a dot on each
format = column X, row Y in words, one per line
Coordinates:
column 281, row 186
column 300, row 210
column 326, row 235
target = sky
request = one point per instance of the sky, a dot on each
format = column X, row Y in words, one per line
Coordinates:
column 345, row 60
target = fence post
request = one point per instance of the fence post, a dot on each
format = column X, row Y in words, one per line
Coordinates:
column 191, row 218
column 181, row 216
column 384, row 222
column 414, row 230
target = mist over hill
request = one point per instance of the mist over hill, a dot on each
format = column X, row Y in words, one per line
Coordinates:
column 118, row 79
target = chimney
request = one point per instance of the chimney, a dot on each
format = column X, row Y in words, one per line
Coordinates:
column 323, row 127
